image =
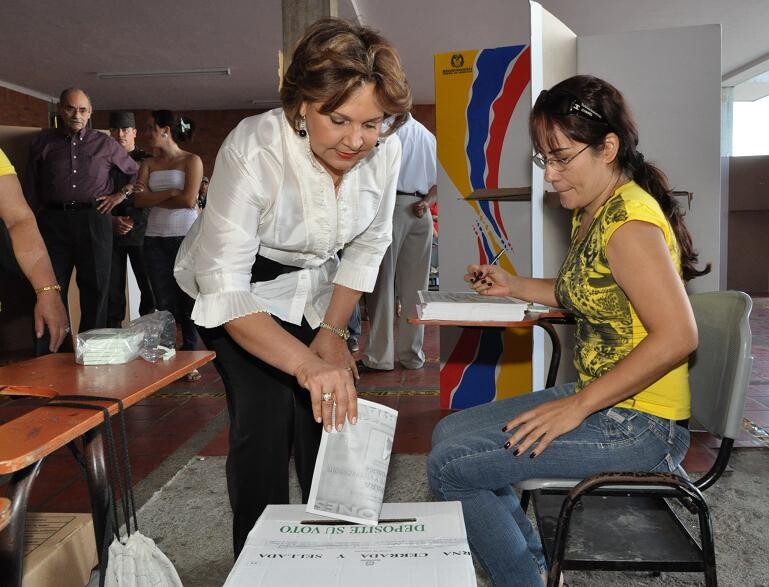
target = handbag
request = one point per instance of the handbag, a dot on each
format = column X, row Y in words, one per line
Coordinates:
column 132, row 560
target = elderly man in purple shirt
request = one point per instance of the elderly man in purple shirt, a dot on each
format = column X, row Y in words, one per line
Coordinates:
column 68, row 184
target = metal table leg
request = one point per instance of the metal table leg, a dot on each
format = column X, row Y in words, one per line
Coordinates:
column 98, row 484
column 12, row 538
column 555, row 358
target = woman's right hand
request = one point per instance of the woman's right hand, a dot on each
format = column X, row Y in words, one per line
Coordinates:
column 489, row 280
column 50, row 312
column 319, row 377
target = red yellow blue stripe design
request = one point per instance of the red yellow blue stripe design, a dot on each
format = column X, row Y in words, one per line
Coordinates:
column 479, row 92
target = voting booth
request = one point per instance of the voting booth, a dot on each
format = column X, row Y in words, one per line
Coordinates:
column 492, row 197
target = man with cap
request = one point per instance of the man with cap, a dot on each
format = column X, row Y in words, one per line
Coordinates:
column 128, row 226
column 69, row 186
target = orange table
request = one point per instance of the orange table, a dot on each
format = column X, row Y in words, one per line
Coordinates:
column 27, row 440
column 544, row 320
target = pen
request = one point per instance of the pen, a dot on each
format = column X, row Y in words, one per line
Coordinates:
column 495, row 259
column 479, row 275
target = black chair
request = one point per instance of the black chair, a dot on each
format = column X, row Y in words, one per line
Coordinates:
column 630, row 521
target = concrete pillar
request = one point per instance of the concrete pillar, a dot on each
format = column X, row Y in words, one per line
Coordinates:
column 297, row 16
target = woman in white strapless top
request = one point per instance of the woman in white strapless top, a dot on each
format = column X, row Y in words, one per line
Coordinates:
column 169, row 183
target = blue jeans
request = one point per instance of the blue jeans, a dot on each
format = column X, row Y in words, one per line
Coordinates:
column 469, row 463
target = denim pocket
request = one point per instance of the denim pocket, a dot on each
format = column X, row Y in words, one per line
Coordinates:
column 616, row 424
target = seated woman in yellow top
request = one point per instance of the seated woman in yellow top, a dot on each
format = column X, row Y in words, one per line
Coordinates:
column 623, row 280
column 32, row 256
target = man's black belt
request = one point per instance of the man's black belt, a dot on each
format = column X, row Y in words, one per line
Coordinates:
column 415, row 194
column 69, row 206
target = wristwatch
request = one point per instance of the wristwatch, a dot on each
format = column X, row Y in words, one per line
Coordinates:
column 343, row 333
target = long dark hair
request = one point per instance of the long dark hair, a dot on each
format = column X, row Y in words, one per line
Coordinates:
column 586, row 109
column 181, row 127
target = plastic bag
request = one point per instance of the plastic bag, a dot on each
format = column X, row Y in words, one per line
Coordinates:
column 136, row 561
column 159, row 332
column 151, row 337
column 107, row 346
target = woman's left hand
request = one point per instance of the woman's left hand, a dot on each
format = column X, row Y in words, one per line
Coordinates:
column 538, row 427
column 333, row 349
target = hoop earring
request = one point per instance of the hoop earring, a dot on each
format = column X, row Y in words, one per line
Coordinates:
column 302, row 132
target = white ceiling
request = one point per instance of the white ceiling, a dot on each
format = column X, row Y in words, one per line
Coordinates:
column 48, row 45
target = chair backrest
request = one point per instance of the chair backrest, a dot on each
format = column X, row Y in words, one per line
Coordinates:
column 719, row 370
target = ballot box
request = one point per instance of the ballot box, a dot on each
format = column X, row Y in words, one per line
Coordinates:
column 413, row 545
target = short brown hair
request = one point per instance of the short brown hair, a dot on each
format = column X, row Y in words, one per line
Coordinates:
column 333, row 59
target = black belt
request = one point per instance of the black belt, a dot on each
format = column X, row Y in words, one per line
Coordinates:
column 415, row 194
column 265, row 269
column 69, row 206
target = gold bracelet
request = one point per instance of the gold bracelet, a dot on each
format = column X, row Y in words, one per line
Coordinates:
column 342, row 333
column 53, row 287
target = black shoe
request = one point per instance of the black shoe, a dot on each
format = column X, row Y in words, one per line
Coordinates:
column 363, row 368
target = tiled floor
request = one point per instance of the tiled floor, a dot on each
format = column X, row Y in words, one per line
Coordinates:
column 159, row 426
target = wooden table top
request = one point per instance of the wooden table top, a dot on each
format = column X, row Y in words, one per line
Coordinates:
column 36, row 434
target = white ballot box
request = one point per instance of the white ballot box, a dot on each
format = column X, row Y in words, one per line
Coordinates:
column 413, row 545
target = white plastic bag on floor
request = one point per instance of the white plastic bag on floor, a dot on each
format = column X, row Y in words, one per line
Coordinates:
column 136, row 561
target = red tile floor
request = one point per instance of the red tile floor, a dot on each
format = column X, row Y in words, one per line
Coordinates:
column 162, row 424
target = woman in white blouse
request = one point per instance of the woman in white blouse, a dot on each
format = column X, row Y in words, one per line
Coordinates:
column 169, row 182
column 291, row 188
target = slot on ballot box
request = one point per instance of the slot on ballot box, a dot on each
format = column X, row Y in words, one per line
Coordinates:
column 422, row 544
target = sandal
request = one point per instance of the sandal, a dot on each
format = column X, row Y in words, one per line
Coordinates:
column 193, row 375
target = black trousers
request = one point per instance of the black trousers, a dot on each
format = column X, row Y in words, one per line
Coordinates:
column 269, row 415
column 116, row 299
column 82, row 240
column 159, row 256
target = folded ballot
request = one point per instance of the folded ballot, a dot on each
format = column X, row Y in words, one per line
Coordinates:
column 108, row 346
column 469, row 307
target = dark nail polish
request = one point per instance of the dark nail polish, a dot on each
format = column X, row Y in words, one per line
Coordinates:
column 504, row 428
column 473, row 280
column 532, row 455
column 507, row 444
column 516, row 452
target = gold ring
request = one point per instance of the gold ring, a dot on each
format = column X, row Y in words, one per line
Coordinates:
column 326, row 397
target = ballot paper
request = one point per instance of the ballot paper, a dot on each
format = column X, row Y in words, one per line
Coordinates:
column 414, row 545
column 351, row 468
column 108, row 346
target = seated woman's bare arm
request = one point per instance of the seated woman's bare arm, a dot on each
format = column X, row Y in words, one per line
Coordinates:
column 642, row 267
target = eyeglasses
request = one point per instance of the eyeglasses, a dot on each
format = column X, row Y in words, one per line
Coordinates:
column 557, row 164
column 566, row 104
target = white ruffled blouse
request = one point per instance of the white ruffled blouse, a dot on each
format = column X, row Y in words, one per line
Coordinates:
column 268, row 195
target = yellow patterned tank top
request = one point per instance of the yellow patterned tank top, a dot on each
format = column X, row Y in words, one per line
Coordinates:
column 5, row 166
column 607, row 326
